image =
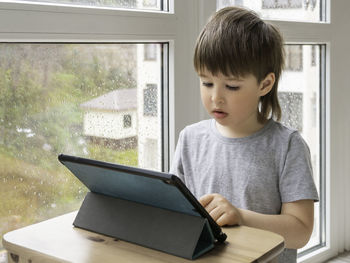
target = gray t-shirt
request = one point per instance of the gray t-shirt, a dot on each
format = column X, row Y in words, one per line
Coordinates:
column 257, row 173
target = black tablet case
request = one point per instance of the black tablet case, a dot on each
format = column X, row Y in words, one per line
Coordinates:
column 143, row 209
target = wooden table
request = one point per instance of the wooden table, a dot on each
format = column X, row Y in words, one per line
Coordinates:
column 56, row 240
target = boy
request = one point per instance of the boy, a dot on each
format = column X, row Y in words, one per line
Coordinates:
column 245, row 167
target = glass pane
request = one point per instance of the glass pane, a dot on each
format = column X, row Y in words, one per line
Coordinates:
column 79, row 99
column 129, row 4
column 294, row 10
column 299, row 96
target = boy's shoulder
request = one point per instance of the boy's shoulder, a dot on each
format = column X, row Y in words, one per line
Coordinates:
column 280, row 129
column 283, row 135
column 283, row 130
column 195, row 129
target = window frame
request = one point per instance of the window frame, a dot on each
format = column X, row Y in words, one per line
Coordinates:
column 22, row 22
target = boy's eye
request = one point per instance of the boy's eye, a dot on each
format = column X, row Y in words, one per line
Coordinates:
column 207, row 84
column 232, row 87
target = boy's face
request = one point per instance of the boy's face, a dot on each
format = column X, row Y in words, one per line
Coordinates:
column 231, row 101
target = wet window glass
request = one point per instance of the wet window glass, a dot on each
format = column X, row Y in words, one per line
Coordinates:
column 78, row 99
column 294, row 10
column 300, row 96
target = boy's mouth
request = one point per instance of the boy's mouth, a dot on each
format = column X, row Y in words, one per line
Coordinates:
column 219, row 114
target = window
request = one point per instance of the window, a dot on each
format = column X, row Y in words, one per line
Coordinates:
column 80, row 99
column 294, row 10
column 80, row 23
column 300, row 94
column 69, row 75
column 127, row 121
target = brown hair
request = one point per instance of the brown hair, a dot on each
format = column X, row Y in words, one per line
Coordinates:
column 237, row 42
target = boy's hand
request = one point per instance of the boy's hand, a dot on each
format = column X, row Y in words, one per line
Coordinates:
column 221, row 210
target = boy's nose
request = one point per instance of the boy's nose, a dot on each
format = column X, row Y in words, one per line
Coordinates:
column 217, row 97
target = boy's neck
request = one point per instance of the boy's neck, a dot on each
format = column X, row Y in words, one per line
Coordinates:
column 240, row 131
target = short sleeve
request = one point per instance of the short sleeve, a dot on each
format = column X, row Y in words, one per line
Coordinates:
column 296, row 180
column 176, row 166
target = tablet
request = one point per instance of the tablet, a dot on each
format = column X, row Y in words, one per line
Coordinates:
column 144, row 186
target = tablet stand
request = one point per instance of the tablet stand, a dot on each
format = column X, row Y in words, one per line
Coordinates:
column 172, row 232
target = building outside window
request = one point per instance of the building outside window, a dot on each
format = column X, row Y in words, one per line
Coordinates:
column 150, row 3
column 293, row 57
column 150, row 100
column 150, row 52
column 282, row 4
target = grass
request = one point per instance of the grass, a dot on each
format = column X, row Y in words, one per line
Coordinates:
column 126, row 157
column 31, row 194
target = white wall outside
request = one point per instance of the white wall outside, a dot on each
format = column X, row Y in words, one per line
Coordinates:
column 109, row 124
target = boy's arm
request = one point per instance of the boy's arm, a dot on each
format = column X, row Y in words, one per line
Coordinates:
column 295, row 223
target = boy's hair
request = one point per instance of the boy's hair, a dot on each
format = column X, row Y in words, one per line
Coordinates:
column 236, row 42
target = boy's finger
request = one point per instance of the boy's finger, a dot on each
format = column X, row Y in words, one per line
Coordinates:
column 216, row 213
column 211, row 206
column 222, row 220
column 206, row 199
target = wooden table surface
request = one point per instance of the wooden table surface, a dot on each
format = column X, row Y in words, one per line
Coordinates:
column 57, row 240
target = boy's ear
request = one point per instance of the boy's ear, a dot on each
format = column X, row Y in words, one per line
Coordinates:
column 266, row 84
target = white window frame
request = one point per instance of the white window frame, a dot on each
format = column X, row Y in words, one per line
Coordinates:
column 24, row 22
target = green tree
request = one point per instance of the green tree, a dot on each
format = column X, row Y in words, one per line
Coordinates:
column 19, row 98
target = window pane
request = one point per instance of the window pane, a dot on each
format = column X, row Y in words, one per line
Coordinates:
column 300, row 99
column 129, row 4
column 78, row 99
column 295, row 10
